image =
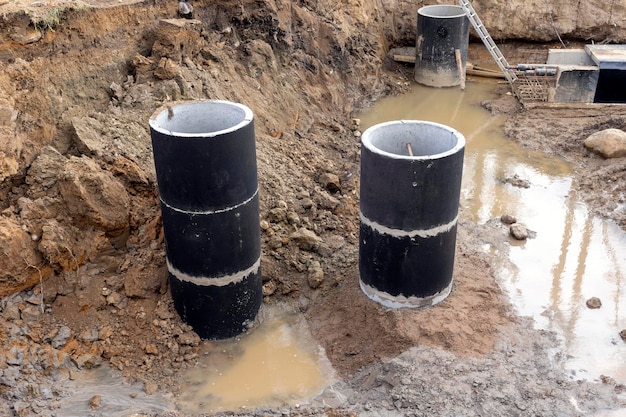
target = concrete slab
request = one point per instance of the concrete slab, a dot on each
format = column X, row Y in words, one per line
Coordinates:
column 578, row 57
column 608, row 56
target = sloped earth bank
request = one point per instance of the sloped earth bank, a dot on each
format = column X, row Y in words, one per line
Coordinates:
column 83, row 275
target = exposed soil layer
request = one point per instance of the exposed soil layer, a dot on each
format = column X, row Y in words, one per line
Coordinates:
column 83, row 276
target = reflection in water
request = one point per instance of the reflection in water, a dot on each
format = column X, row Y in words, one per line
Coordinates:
column 275, row 364
column 575, row 256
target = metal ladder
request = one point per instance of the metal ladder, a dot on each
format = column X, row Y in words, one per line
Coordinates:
column 487, row 40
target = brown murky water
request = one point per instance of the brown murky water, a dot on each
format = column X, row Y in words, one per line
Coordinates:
column 575, row 256
column 277, row 363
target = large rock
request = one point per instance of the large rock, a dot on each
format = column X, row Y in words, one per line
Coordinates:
column 89, row 136
column 43, row 173
column 102, row 136
column 68, row 247
column 94, row 196
column 306, row 239
column 610, row 143
column 21, row 266
column 177, row 38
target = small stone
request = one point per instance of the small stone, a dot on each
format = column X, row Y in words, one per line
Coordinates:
column 10, row 376
column 61, row 337
column 46, row 392
column 316, row 275
column 277, row 215
column 607, row 380
column 114, row 298
column 87, row 361
column 269, row 288
column 117, row 90
column 622, row 334
column 34, row 299
column 516, row 181
column 518, row 231
column 151, row 349
column 88, row 335
column 275, row 242
column 30, row 313
column 303, row 194
column 73, row 374
column 325, row 250
column 189, row 339
column 15, row 356
column 12, row 312
column 330, row 181
column 150, row 387
column 95, row 402
column 508, row 219
column 293, row 218
column 166, row 69
column 117, row 300
column 594, row 303
column 25, row 35
column 105, row 332
column 326, row 201
column 305, row 239
column 163, row 312
column 307, row 203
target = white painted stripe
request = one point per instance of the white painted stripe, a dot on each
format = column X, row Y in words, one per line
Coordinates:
column 215, row 281
column 423, row 233
column 401, row 301
column 224, row 210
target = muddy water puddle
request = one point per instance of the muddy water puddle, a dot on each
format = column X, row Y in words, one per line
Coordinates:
column 574, row 256
column 276, row 364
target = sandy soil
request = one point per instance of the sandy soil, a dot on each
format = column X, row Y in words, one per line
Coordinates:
column 84, row 281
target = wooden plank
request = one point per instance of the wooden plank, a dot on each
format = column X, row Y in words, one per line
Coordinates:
column 471, row 69
column 459, row 64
